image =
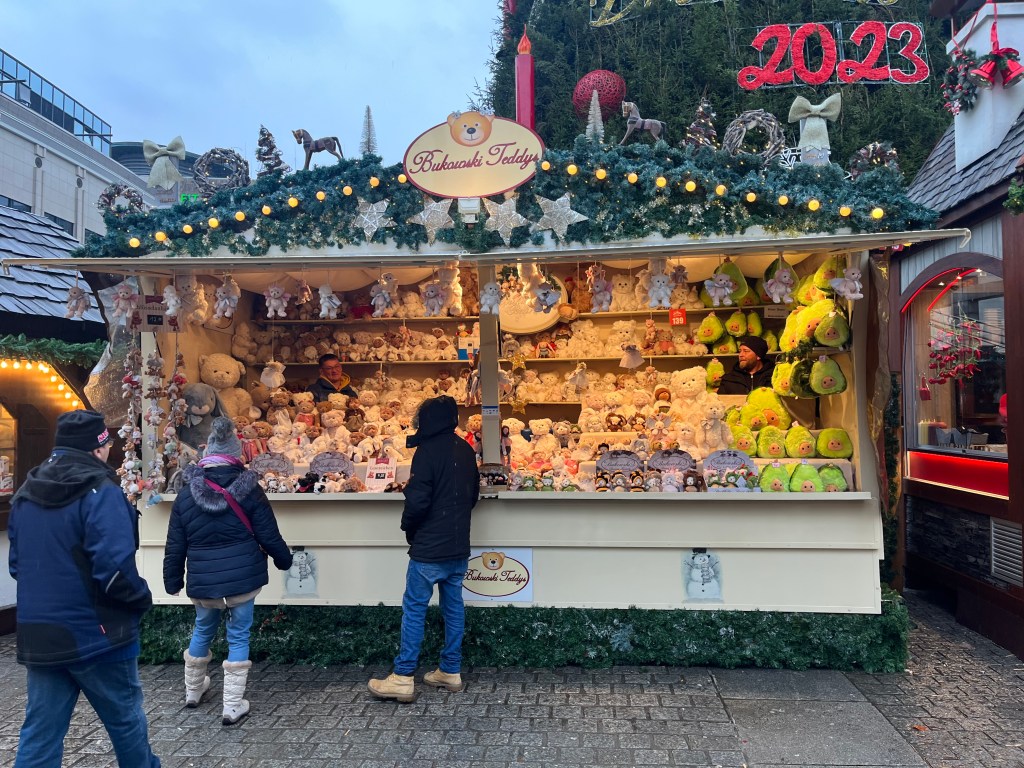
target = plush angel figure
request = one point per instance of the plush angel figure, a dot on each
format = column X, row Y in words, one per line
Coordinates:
column 719, row 286
column 780, row 286
column 600, row 290
column 171, row 300
column 329, row 303
column 226, row 298
column 78, row 302
column 273, row 375
column 490, row 298
column 380, row 299
column 848, row 286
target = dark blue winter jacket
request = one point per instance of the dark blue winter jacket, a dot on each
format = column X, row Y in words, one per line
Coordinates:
column 73, row 538
column 224, row 559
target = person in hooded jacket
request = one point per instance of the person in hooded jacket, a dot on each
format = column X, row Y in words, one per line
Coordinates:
column 443, row 488
column 73, row 537
column 222, row 524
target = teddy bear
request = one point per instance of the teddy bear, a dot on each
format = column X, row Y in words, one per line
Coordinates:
column 427, row 349
column 226, row 296
column 280, row 406
column 550, row 387
column 600, row 290
column 332, row 425
column 124, row 302
column 194, row 306
column 201, row 407
column 659, row 294
column 546, row 296
column 277, row 300
column 719, row 287
column 714, row 433
column 243, row 345
column 622, row 293
column 689, row 388
column 359, row 349
column 779, row 287
column 622, row 334
column 490, row 298
column 370, row 446
column 411, row 305
column 78, row 302
column 222, row 372
column 369, row 401
column 451, row 290
column 848, row 286
column 305, row 411
column 433, row 298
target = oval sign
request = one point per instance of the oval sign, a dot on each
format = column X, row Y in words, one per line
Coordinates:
column 493, row 574
column 473, row 155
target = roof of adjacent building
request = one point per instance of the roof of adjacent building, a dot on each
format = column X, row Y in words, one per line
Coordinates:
column 941, row 187
column 32, row 290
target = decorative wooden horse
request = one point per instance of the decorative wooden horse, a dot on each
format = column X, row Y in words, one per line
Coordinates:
column 634, row 122
column 326, row 144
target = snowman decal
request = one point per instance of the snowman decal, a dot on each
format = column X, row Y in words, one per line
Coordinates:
column 300, row 580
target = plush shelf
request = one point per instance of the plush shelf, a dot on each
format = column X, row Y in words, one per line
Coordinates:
column 378, row 363
column 366, row 320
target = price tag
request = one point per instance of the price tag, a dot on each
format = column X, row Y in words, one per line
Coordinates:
column 677, row 316
column 380, row 472
column 489, row 410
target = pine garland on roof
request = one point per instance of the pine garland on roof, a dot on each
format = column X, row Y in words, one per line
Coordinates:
column 52, row 351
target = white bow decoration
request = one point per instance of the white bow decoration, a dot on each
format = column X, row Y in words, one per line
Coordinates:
column 162, row 172
column 814, row 129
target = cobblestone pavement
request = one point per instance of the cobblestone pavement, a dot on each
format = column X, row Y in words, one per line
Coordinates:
column 961, row 703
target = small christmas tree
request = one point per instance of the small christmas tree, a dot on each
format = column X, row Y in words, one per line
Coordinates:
column 701, row 132
column 595, row 125
column 269, row 155
column 368, row 143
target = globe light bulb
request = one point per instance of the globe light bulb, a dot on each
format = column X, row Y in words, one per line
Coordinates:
column 28, row 366
column 877, row 213
column 17, row 365
column 213, row 223
column 721, row 189
column 660, row 182
column 813, row 204
column 601, row 173
column 134, row 242
column 60, row 387
column 67, row 395
column 402, row 178
column 845, row 210
column 3, row 363
column 346, row 190
column 239, row 216
column 783, row 199
column 187, row 229
column 266, row 210
column 74, row 403
column 690, row 186
column 321, row 195
column 293, row 202
column 160, row 236
column 571, row 169
column 751, row 197
column 374, row 182
column 545, row 165
column 53, row 379
column 632, row 177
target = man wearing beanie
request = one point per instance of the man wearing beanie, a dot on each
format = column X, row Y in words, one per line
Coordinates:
column 73, row 538
column 752, row 370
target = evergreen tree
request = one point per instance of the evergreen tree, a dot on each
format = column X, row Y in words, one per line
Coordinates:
column 701, row 132
column 595, row 123
column 269, row 155
column 368, row 143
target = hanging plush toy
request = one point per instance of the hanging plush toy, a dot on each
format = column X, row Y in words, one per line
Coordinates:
column 124, row 301
column 226, row 299
column 329, row 303
column 171, row 300
column 273, row 375
column 490, row 298
column 78, row 302
column 659, row 293
column 546, row 296
column 719, row 286
column 600, row 289
column 848, row 286
column 303, row 293
column 631, row 357
column 780, row 286
column 578, row 378
column 277, row 300
column 381, row 299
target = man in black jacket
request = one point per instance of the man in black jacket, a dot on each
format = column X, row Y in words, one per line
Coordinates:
column 752, row 370
column 73, row 538
column 332, row 379
column 439, row 499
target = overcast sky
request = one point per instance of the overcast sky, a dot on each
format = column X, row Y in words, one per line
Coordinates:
column 214, row 71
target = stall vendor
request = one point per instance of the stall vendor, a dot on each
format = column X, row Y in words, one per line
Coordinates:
column 332, row 379
column 752, row 370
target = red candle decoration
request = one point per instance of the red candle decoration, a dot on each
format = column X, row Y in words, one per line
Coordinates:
column 524, row 83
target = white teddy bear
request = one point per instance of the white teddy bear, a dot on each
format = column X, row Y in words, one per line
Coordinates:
column 226, row 297
column 490, row 299
column 659, row 294
column 780, row 286
column 545, row 297
column 433, row 298
column 848, row 286
column 171, row 300
column 719, row 286
column 622, row 293
column 277, row 300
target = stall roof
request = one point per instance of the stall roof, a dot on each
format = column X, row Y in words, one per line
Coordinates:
column 35, row 254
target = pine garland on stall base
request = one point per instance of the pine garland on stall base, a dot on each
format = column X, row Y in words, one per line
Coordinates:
column 508, row 636
column 51, row 351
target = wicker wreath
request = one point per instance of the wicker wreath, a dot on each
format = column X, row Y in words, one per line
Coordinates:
column 239, row 166
column 732, row 142
column 107, row 201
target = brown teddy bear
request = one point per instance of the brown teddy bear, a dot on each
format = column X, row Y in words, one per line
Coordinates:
column 280, row 405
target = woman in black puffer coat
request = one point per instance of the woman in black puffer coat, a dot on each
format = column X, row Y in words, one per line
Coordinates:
column 226, row 551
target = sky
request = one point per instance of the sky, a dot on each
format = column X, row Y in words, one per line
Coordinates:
column 213, row 72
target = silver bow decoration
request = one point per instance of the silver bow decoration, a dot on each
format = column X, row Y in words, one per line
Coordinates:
column 162, row 172
column 814, row 129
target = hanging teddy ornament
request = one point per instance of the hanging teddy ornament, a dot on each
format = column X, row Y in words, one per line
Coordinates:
column 277, row 300
column 382, row 295
column 814, row 145
column 172, row 301
column 226, row 299
column 719, row 286
column 78, row 302
column 490, row 298
column 303, row 293
column 600, row 289
column 125, row 300
column 779, row 282
column 547, row 296
column 848, row 286
column 578, row 378
column 329, row 302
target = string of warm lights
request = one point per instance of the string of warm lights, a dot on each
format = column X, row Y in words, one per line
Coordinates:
column 47, row 375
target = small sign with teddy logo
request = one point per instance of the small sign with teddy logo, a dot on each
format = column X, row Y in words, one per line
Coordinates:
column 499, row 575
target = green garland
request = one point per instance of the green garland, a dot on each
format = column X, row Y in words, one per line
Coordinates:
column 1015, row 198
column 554, row 637
column 892, row 419
column 52, row 351
column 617, row 210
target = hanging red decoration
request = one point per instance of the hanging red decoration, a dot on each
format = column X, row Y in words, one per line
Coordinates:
column 611, row 92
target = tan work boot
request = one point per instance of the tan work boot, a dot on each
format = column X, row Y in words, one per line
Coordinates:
column 398, row 687
column 440, row 679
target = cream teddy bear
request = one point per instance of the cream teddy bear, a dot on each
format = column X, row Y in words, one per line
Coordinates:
column 714, row 434
column 543, row 441
column 622, row 293
column 689, row 389
column 433, row 298
column 277, row 300
column 223, row 372
column 490, row 299
column 451, row 290
column 659, row 294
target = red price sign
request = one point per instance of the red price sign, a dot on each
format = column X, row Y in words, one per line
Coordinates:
column 891, row 51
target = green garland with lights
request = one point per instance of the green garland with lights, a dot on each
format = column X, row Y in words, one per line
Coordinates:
column 617, row 209
column 52, row 351
column 1015, row 198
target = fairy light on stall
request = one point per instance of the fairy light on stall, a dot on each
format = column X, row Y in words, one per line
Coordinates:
column 60, row 389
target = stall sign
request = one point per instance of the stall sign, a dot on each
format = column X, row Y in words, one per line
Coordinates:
column 473, row 155
column 504, row 575
column 150, row 316
column 381, row 472
column 332, row 461
column 731, row 471
column 271, row 462
column 671, row 459
column 619, row 461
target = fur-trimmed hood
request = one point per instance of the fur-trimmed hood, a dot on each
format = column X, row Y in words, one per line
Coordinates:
column 238, row 482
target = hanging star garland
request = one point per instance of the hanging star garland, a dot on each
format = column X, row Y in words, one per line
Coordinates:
column 518, row 361
column 371, row 217
column 434, row 217
column 518, row 405
column 557, row 215
column 503, row 218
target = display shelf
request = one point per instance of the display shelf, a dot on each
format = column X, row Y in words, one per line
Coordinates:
column 365, row 320
column 694, row 310
column 380, row 363
column 531, row 360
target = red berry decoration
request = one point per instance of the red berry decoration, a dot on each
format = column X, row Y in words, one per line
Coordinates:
column 611, row 92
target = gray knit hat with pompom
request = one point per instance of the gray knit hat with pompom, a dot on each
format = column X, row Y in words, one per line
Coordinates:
column 224, row 439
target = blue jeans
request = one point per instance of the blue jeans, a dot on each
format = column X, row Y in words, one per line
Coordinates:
column 114, row 691
column 239, row 624
column 420, row 579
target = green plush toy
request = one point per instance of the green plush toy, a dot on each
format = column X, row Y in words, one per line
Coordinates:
column 762, row 295
column 799, row 379
column 710, row 330
column 725, row 346
column 771, row 443
column 772, row 340
column 736, row 324
column 750, row 300
column 810, row 318
column 780, row 378
column 754, row 325
column 715, row 373
column 732, row 416
column 830, row 268
column 788, row 339
column 826, row 377
column 743, row 439
column 833, row 479
column 834, row 443
column 774, row 479
column 805, row 479
column 800, row 443
column 752, row 417
column 833, row 330
column 806, row 292
column 767, row 400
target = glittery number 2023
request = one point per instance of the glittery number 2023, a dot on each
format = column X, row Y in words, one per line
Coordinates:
column 794, row 42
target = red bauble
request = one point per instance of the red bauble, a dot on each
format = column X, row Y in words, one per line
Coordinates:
column 611, row 91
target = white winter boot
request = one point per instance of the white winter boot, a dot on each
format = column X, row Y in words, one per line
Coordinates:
column 235, row 675
column 197, row 682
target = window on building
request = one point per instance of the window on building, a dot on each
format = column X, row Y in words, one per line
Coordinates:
column 67, row 226
column 17, row 205
column 955, row 376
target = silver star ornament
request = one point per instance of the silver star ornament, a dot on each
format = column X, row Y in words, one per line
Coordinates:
column 503, row 218
column 434, row 217
column 371, row 217
column 557, row 215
